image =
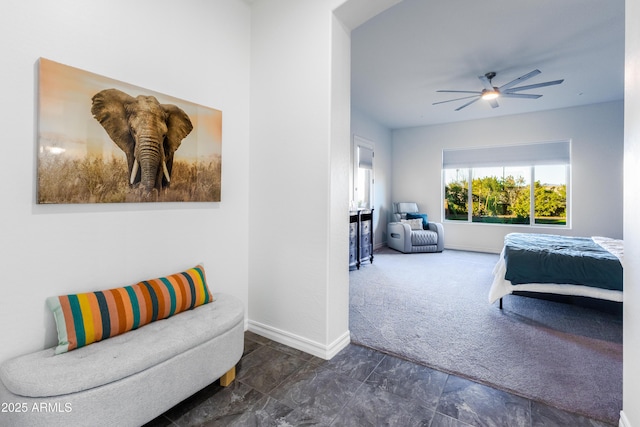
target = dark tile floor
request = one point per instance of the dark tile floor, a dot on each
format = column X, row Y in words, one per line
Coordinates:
column 280, row 386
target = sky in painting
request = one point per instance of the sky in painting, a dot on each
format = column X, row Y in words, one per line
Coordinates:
column 66, row 125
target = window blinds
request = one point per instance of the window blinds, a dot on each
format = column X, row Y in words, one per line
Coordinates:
column 543, row 153
column 365, row 157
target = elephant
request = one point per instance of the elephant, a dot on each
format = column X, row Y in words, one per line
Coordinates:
column 148, row 132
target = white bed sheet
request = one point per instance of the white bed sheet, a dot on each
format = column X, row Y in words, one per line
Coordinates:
column 501, row 287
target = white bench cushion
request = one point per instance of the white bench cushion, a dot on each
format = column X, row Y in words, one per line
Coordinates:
column 45, row 374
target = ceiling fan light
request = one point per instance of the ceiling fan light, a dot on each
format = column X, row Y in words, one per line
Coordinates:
column 490, row 94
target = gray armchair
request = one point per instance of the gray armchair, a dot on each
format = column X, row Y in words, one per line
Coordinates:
column 401, row 236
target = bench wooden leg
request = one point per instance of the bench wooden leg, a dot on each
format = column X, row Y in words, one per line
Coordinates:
column 228, row 378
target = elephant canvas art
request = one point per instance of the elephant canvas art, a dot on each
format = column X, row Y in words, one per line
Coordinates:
column 104, row 141
column 148, row 132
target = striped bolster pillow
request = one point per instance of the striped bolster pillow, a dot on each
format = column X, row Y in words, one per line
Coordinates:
column 82, row 319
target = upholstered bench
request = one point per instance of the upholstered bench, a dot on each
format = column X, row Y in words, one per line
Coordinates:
column 128, row 379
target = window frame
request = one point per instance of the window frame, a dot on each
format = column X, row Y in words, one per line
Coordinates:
column 358, row 142
column 564, row 160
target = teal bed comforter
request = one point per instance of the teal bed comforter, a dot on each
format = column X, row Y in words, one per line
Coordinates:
column 547, row 258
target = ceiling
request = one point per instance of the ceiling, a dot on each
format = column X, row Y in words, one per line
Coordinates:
column 401, row 57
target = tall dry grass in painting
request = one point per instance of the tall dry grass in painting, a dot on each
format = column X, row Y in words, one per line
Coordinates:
column 93, row 179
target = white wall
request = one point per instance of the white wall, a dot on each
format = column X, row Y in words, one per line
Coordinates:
column 631, row 367
column 364, row 126
column 596, row 132
column 299, row 275
column 194, row 50
column 337, row 313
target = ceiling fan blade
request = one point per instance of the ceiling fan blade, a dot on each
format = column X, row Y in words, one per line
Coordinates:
column 486, row 82
column 456, row 99
column 468, row 103
column 520, row 95
column 460, row 91
column 519, row 80
column 519, row 88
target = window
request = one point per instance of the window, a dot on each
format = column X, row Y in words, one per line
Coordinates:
column 456, row 194
column 363, row 173
column 523, row 184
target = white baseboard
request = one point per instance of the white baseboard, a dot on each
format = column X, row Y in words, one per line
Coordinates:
column 624, row 422
column 303, row 344
column 483, row 249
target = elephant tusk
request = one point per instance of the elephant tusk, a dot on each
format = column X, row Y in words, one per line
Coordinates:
column 134, row 171
column 166, row 171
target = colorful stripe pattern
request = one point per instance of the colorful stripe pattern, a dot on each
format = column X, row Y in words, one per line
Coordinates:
column 82, row 319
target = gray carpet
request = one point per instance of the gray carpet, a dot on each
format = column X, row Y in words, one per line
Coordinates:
column 433, row 309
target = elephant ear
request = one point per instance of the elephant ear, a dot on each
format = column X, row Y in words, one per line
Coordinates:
column 108, row 108
column 178, row 127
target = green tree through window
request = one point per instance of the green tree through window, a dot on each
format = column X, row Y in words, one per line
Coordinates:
column 502, row 195
column 456, row 194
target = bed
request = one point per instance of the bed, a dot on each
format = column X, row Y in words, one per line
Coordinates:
column 562, row 265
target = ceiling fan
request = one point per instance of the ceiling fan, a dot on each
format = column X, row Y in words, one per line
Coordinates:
column 491, row 92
